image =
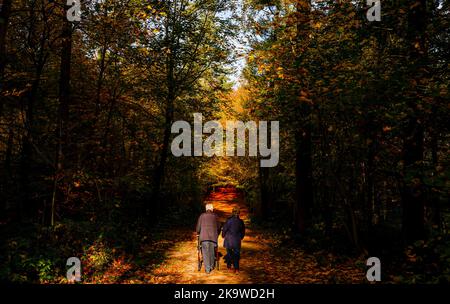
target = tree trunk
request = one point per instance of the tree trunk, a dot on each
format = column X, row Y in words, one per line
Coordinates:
column 369, row 176
column 169, row 116
column 27, row 145
column 4, row 20
column 100, row 80
column 303, row 144
column 160, row 170
column 63, row 109
column 102, row 69
column 413, row 192
column 6, row 177
column 435, row 207
column 303, row 179
column 264, row 192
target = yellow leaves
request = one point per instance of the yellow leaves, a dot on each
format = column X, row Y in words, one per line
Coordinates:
column 280, row 73
column 144, row 51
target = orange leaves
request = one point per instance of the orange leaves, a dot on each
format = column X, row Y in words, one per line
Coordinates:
column 304, row 97
column 317, row 25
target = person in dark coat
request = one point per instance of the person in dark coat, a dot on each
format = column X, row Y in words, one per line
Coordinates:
column 208, row 230
column 233, row 232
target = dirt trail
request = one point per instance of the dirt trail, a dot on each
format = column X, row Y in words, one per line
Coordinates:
column 181, row 263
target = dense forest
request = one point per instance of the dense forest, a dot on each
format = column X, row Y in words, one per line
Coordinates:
column 86, row 114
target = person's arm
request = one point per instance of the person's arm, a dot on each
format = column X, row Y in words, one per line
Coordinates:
column 218, row 225
column 243, row 229
column 199, row 224
column 225, row 229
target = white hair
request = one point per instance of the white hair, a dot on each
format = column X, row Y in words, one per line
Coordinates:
column 209, row 207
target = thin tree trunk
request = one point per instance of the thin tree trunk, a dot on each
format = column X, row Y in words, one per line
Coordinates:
column 436, row 210
column 369, row 172
column 6, row 178
column 264, row 192
column 303, row 143
column 102, row 68
column 4, row 20
column 27, row 150
column 413, row 194
column 160, row 170
column 63, row 110
column 303, row 179
column 169, row 116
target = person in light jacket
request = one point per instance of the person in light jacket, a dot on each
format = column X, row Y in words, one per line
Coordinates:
column 208, row 230
column 233, row 232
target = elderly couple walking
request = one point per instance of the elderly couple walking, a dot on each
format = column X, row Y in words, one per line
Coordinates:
column 208, row 230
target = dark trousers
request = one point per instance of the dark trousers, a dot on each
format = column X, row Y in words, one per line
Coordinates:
column 209, row 255
column 234, row 254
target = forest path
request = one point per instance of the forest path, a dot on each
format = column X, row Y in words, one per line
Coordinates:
column 263, row 260
column 181, row 263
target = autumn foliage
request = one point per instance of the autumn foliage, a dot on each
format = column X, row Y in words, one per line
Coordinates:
column 86, row 110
